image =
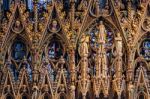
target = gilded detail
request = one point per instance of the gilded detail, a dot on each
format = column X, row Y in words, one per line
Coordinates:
column 74, row 49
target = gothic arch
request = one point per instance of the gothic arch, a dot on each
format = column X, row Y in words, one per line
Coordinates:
column 58, row 36
column 11, row 34
column 9, row 96
column 18, row 55
column 47, row 96
column 108, row 23
column 25, row 96
column 101, row 95
column 139, row 60
column 141, row 37
column 21, row 40
column 65, row 58
column 115, row 95
column 62, row 96
column 141, row 82
column 59, row 32
column 137, row 51
column 142, row 95
column 12, row 40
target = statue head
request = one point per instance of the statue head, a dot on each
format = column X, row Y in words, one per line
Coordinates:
column 118, row 35
column 85, row 38
column 54, row 23
column 101, row 26
column 17, row 23
column 101, row 22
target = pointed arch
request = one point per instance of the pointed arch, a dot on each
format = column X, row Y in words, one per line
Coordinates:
column 25, row 96
column 46, row 84
column 108, row 23
column 141, row 53
column 16, row 28
column 140, row 72
column 9, row 96
column 62, row 96
column 141, row 37
column 47, row 96
column 101, row 95
column 18, row 54
column 115, row 95
column 24, row 83
column 55, row 48
column 141, row 83
column 142, row 95
column 140, row 61
column 15, row 37
column 8, row 87
column 58, row 48
column 54, row 19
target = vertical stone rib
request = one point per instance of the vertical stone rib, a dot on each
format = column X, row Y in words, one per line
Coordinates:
column 72, row 64
column 97, row 7
column 129, row 22
column 36, row 17
column 72, row 13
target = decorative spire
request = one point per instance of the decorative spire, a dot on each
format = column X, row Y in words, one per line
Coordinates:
column 118, row 79
column 102, row 79
column 101, row 67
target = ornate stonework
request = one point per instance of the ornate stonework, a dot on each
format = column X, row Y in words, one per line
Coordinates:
column 75, row 49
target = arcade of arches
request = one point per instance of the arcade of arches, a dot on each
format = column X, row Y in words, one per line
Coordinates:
column 74, row 49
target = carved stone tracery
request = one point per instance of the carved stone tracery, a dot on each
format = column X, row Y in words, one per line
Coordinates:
column 75, row 49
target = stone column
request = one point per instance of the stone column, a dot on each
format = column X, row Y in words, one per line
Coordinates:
column 72, row 71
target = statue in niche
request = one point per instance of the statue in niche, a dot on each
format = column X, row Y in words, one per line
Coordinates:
column 119, row 44
column 102, row 31
column 54, row 26
column 17, row 26
column 84, row 46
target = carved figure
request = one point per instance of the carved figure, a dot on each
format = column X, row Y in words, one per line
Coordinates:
column 54, row 25
column 17, row 26
column 84, row 46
